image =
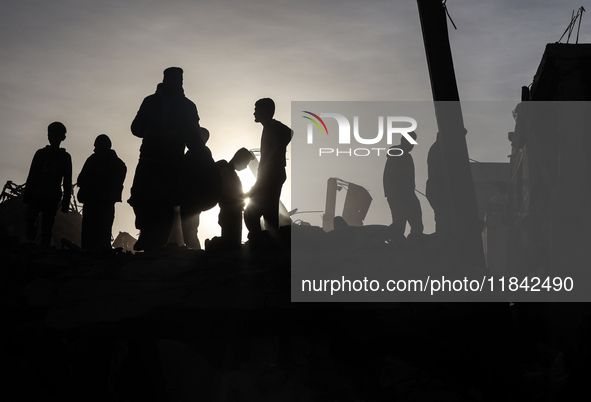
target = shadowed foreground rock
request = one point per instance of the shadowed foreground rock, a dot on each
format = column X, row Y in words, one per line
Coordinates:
column 178, row 324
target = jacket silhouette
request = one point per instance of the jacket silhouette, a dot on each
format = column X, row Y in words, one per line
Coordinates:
column 101, row 184
column 167, row 122
column 200, row 187
column 51, row 169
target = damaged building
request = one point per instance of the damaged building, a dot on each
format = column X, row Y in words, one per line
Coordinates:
column 550, row 195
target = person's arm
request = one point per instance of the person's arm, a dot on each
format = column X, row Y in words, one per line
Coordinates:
column 122, row 172
column 281, row 140
column 81, row 182
column 140, row 127
column 83, row 175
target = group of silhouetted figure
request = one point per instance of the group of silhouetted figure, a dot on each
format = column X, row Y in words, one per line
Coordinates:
column 100, row 182
column 166, row 177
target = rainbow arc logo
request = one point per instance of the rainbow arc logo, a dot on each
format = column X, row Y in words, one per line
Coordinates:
column 318, row 119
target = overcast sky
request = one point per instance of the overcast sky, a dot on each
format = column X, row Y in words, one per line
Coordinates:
column 89, row 64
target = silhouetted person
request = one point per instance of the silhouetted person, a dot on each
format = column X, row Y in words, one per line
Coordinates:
column 167, row 122
column 200, row 188
column 436, row 192
column 264, row 195
column 101, row 185
column 51, row 169
column 231, row 198
column 399, row 189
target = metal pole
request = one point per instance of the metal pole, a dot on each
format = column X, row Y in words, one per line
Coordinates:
column 448, row 112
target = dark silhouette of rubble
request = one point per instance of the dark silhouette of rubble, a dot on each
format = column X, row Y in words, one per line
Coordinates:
column 124, row 241
column 356, row 204
column 182, row 324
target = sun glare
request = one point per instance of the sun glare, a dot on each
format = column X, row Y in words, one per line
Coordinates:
column 247, row 179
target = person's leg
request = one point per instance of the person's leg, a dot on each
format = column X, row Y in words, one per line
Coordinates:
column 271, row 207
column 163, row 220
column 189, row 226
column 31, row 217
column 442, row 211
column 415, row 216
column 252, row 215
column 88, row 226
column 398, row 218
column 104, row 232
column 48, row 212
column 145, row 200
column 230, row 220
column 139, row 201
column 273, row 194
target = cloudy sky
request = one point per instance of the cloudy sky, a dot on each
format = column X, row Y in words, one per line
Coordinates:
column 89, row 64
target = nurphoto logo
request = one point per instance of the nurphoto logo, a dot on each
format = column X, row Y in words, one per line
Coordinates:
column 393, row 126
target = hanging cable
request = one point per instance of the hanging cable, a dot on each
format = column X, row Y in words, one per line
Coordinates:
column 449, row 16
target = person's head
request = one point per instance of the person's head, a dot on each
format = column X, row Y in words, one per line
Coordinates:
column 264, row 110
column 173, row 77
column 405, row 145
column 241, row 159
column 102, row 143
column 204, row 134
column 56, row 133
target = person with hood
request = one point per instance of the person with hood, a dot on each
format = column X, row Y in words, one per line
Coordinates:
column 167, row 122
column 199, row 189
column 51, row 169
column 101, row 185
column 232, row 198
column 399, row 189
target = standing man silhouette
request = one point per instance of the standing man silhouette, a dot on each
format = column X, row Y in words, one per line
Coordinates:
column 101, row 183
column 167, row 122
column 50, row 169
column 399, row 189
column 264, row 194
